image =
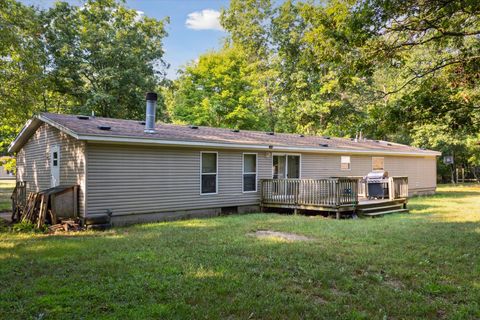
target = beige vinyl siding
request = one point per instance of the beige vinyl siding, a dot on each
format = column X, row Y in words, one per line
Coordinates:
column 143, row 179
column 131, row 179
column 33, row 161
column 421, row 171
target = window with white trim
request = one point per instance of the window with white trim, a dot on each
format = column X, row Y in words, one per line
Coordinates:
column 378, row 164
column 345, row 163
column 209, row 168
column 249, row 172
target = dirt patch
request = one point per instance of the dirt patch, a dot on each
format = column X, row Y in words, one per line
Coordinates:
column 395, row 284
column 281, row 235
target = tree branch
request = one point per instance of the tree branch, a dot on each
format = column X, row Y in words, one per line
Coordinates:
column 424, row 74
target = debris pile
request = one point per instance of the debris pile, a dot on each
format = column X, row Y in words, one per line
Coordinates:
column 65, row 225
column 56, row 207
column 37, row 210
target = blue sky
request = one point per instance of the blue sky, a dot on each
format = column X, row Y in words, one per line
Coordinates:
column 193, row 27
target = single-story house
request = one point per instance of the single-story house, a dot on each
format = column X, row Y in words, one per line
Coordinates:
column 146, row 171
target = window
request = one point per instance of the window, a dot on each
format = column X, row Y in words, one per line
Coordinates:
column 249, row 172
column 345, row 163
column 55, row 158
column 209, row 172
column 378, row 164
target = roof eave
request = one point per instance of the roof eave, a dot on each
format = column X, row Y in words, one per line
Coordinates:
column 177, row 143
column 30, row 127
column 58, row 126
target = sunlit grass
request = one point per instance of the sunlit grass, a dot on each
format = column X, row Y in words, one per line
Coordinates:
column 6, row 188
column 425, row 264
column 451, row 203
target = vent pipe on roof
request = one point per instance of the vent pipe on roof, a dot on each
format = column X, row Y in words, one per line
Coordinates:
column 151, row 111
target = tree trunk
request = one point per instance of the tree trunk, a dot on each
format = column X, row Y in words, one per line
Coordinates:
column 474, row 172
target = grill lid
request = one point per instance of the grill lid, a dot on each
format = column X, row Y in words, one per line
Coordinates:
column 377, row 175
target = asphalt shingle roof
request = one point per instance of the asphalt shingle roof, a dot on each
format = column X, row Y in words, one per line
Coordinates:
column 172, row 132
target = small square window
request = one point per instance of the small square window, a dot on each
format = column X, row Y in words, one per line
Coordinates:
column 345, row 163
column 378, row 164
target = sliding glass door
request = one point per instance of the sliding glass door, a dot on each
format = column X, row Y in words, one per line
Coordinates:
column 286, row 166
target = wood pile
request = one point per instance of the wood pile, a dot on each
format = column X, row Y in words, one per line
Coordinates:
column 37, row 210
column 65, row 225
column 56, row 206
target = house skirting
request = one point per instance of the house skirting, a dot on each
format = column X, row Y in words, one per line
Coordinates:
column 421, row 192
column 123, row 220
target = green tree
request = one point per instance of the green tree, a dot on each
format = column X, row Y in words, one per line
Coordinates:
column 105, row 56
column 218, row 90
column 99, row 57
column 303, row 53
column 22, row 67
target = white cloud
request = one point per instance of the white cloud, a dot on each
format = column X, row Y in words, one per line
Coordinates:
column 139, row 15
column 207, row 19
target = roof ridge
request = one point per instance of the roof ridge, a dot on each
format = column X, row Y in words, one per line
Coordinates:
column 305, row 135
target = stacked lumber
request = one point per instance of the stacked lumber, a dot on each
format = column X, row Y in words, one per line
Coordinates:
column 37, row 210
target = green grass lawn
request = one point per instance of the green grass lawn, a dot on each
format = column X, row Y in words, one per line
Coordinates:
column 425, row 264
column 6, row 188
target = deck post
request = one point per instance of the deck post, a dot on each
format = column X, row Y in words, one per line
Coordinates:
column 337, row 214
column 391, row 189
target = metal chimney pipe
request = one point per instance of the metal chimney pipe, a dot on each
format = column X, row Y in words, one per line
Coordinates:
column 150, row 112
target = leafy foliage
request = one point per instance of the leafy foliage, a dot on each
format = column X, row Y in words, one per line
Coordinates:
column 22, row 63
column 99, row 57
column 105, row 56
column 219, row 91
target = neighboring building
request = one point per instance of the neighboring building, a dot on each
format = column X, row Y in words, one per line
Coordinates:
column 187, row 170
column 4, row 173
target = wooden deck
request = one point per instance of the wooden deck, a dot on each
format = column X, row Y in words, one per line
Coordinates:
column 333, row 195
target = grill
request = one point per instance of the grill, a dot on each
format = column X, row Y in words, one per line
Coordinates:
column 377, row 184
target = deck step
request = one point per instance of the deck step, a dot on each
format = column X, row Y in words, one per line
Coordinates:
column 382, row 208
column 380, row 203
column 381, row 213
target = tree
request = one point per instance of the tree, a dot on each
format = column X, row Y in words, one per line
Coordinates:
column 303, row 52
column 104, row 56
column 99, row 57
column 218, row 90
column 449, row 29
column 22, row 65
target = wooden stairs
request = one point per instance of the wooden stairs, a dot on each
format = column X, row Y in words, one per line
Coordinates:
column 378, row 208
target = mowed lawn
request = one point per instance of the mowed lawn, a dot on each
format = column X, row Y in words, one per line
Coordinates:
column 425, row 264
column 6, row 188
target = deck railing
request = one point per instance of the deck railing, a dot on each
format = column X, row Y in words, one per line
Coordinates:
column 397, row 187
column 332, row 192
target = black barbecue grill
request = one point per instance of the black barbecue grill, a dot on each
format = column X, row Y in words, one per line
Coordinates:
column 377, row 184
